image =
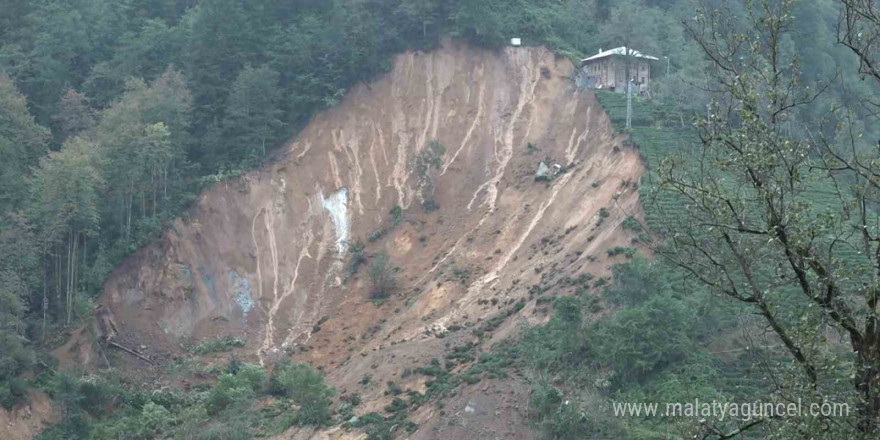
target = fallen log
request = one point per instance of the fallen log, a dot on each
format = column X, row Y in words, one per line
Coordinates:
column 132, row 352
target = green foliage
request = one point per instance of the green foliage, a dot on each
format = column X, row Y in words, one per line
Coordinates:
column 65, row 197
column 253, row 115
column 620, row 250
column 12, row 392
column 154, row 419
column 396, row 215
column 382, row 278
column 393, row 388
column 218, row 344
column 384, row 428
column 429, row 158
column 459, row 273
column 94, row 408
column 15, row 357
column 305, row 386
column 643, row 339
column 253, row 376
column 76, row 395
column 22, row 143
column 632, row 224
column 558, row 24
column 397, row 404
column 637, row 281
column 638, row 352
column 230, row 389
column 66, row 188
column 557, row 417
column 358, row 256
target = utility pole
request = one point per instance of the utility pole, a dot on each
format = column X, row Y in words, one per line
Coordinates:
column 629, row 104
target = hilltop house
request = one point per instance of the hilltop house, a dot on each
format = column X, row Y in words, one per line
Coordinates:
column 607, row 70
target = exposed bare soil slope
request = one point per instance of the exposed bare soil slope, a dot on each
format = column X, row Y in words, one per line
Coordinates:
column 264, row 257
column 26, row 420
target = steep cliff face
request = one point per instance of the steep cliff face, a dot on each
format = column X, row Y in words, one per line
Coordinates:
column 265, row 257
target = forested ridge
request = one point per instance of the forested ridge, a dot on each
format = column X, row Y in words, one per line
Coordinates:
column 114, row 114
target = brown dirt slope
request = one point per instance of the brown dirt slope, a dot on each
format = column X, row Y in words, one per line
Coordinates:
column 265, row 257
column 27, row 420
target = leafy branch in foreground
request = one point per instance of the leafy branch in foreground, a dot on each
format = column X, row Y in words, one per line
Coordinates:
column 753, row 229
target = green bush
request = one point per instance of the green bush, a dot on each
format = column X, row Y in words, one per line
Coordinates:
column 238, row 387
column 382, row 277
column 305, row 386
column 253, row 376
column 620, row 250
column 396, row 215
column 229, row 389
column 635, row 282
column 218, row 344
column 358, row 256
column 562, row 418
column 632, row 224
column 15, row 357
column 154, row 419
column 643, row 339
column 13, row 392
column 430, row 157
column 94, row 394
column 396, row 405
column 352, row 399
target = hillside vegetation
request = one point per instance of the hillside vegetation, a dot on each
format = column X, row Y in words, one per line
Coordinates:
column 764, row 289
column 169, row 163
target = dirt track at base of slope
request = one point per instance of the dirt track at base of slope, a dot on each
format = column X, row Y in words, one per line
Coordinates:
column 264, row 257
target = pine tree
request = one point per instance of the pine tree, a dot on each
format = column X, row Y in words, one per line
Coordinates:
column 22, row 143
column 253, row 114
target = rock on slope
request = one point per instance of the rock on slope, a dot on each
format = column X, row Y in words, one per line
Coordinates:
column 264, row 257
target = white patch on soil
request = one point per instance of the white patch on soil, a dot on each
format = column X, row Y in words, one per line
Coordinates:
column 337, row 206
column 241, row 291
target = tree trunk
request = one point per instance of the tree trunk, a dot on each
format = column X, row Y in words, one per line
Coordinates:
column 153, row 188
column 867, row 379
column 83, row 261
column 45, row 298
column 67, row 281
column 122, row 216
column 263, row 139
column 75, row 266
column 128, row 217
column 58, row 280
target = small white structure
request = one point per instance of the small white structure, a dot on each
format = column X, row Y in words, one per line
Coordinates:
column 608, row 69
column 516, row 42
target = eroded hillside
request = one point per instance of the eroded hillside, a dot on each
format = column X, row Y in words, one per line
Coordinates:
column 265, row 257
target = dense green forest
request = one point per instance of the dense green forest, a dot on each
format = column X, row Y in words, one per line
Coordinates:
column 114, row 114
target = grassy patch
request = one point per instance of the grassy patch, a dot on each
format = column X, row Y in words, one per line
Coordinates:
column 215, row 345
